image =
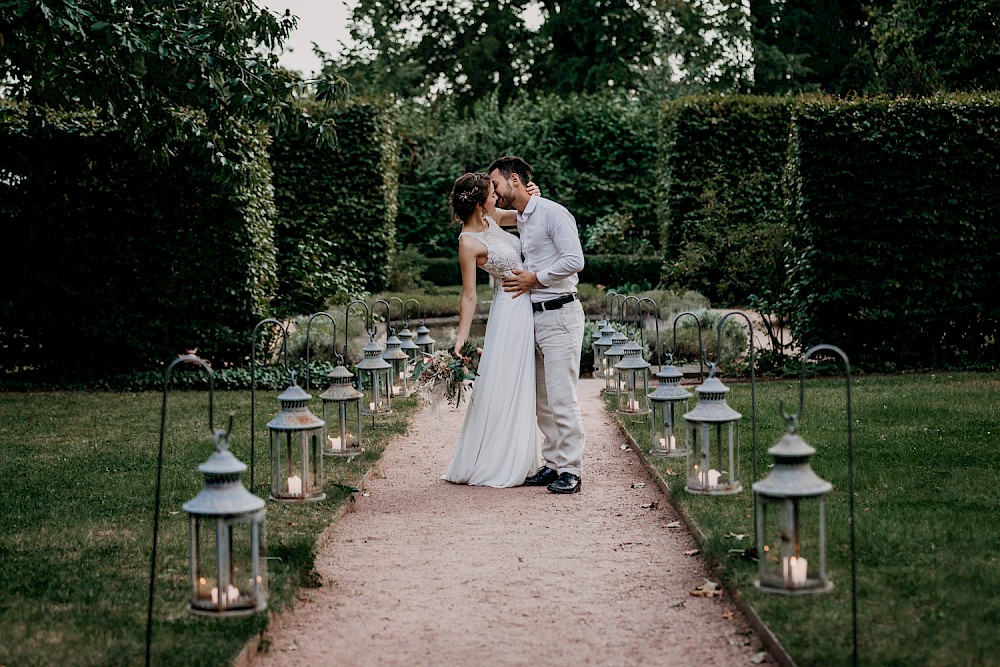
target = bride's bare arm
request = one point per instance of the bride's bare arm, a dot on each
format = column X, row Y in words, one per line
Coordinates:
column 468, row 251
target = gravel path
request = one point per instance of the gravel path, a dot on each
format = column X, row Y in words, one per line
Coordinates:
column 429, row 573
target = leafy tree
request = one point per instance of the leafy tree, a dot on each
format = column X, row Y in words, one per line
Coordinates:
column 801, row 45
column 146, row 64
column 923, row 45
column 413, row 48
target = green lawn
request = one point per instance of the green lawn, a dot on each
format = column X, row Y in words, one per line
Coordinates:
column 927, row 470
column 76, row 516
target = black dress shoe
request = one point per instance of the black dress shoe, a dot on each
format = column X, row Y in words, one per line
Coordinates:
column 543, row 477
column 567, row 483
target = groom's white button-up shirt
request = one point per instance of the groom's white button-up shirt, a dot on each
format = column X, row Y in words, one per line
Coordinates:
column 550, row 243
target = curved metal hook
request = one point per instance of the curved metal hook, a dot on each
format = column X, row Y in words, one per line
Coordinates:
column 253, row 387
column 615, row 298
column 183, row 359
column 347, row 321
column 656, row 322
column 796, row 416
column 753, row 386
column 396, row 298
column 308, row 330
column 604, row 303
column 718, row 339
column 406, row 318
column 388, row 316
column 635, row 310
column 701, row 347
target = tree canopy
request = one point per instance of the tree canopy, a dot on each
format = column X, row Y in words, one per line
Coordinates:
column 153, row 68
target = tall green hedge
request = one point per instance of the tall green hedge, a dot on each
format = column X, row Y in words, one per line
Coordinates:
column 336, row 206
column 719, row 187
column 593, row 154
column 894, row 209
column 121, row 263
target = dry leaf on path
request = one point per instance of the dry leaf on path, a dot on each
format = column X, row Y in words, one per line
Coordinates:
column 709, row 589
column 638, row 485
column 727, row 614
column 692, row 552
column 759, row 657
column 650, row 506
column 623, row 446
column 674, row 524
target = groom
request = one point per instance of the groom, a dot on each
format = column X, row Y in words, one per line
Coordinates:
column 552, row 258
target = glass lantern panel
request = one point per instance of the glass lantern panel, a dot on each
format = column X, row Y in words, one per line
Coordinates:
column 376, row 399
column 297, row 465
column 792, row 545
column 667, row 438
column 713, row 458
column 226, row 572
column 342, row 420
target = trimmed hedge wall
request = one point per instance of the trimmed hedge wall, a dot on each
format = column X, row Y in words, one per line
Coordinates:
column 593, row 154
column 719, row 186
column 124, row 263
column 336, row 206
column 897, row 229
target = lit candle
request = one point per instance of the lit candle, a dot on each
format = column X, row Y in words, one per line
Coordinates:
column 295, row 485
column 334, row 443
column 794, row 569
column 397, row 389
column 633, row 405
column 713, row 477
column 672, row 445
column 371, row 406
column 232, row 594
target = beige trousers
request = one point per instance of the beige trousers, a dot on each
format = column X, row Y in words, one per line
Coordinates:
column 558, row 344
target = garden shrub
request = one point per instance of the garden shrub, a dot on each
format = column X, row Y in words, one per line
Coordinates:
column 593, row 154
column 124, row 263
column 335, row 227
column 893, row 203
column 719, row 193
column 618, row 271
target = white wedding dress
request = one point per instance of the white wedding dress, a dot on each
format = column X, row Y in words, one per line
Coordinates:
column 498, row 445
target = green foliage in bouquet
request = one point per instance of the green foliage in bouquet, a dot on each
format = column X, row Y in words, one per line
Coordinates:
column 445, row 373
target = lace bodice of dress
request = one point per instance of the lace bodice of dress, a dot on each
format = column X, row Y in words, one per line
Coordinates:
column 503, row 250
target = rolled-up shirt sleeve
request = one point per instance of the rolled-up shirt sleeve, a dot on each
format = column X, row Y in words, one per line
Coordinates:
column 562, row 229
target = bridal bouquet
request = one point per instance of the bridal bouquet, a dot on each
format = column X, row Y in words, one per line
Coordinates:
column 444, row 373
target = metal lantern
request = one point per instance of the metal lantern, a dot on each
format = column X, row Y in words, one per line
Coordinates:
column 632, row 381
column 424, row 341
column 666, row 402
column 406, row 344
column 596, row 336
column 791, row 521
column 612, row 356
column 400, row 372
column 228, row 564
column 713, row 437
column 374, row 380
column 601, row 346
column 296, row 449
column 343, row 400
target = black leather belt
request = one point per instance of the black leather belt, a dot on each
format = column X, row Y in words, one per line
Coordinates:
column 553, row 304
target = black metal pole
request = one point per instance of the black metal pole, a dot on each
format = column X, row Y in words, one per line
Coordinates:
column 187, row 358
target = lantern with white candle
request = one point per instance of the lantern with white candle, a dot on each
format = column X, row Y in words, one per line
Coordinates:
column 632, row 381
column 228, row 564
column 713, row 460
column 667, row 402
column 341, row 415
column 791, row 521
column 296, row 449
column 375, row 380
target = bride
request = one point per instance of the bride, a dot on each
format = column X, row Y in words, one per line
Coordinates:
column 498, row 445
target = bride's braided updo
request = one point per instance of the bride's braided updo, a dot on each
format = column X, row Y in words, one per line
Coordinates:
column 469, row 191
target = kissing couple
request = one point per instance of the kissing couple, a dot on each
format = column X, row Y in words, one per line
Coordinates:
column 530, row 363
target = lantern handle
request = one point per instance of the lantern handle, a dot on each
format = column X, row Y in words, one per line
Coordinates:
column 347, row 321
column 701, row 347
column 253, row 386
column 794, row 419
column 388, row 318
column 183, row 359
column 656, row 322
column 406, row 318
column 308, row 331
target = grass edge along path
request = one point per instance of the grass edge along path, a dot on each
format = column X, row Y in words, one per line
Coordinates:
column 76, row 515
column 928, row 543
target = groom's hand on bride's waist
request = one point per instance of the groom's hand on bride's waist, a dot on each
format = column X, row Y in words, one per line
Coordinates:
column 523, row 281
